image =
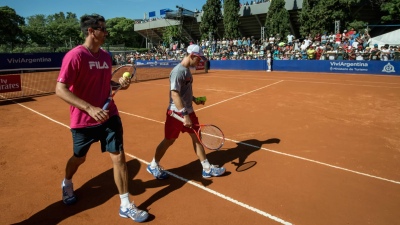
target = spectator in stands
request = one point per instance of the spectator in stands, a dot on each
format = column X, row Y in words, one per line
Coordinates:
column 180, row 102
column 81, row 83
column 338, row 38
column 317, row 39
column 341, row 53
column 351, row 54
column 375, row 53
column 319, row 53
column 324, row 38
column 290, row 38
column 311, row 53
column 385, row 53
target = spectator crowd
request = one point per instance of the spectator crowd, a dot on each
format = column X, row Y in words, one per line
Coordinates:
column 346, row 45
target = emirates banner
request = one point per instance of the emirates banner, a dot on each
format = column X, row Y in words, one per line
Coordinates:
column 200, row 65
column 10, row 83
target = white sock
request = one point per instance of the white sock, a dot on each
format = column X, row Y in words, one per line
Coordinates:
column 125, row 200
column 206, row 165
column 67, row 182
column 153, row 164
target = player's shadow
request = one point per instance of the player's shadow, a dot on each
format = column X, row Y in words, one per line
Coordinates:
column 93, row 193
column 192, row 171
column 239, row 154
column 101, row 188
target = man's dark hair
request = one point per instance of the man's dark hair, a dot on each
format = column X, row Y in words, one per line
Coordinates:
column 90, row 21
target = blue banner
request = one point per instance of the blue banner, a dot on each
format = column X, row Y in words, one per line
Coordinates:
column 338, row 66
column 152, row 14
column 54, row 60
column 30, row 60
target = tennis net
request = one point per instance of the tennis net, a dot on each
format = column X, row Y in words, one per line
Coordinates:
column 40, row 82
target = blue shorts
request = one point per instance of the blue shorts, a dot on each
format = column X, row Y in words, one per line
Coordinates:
column 110, row 135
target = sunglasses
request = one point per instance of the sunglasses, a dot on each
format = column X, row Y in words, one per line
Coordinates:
column 101, row 28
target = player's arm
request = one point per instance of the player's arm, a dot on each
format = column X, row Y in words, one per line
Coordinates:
column 62, row 91
column 179, row 105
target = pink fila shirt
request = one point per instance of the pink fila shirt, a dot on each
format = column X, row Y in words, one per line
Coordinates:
column 88, row 78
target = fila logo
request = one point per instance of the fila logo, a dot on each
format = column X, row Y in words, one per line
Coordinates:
column 97, row 65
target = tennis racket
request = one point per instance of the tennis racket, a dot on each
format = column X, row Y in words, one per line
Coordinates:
column 118, row 74
column 210, row 136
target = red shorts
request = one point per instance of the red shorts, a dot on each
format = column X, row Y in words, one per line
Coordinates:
column 173, row 126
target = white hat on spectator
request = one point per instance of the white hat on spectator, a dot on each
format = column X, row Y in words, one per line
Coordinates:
column 196, row 50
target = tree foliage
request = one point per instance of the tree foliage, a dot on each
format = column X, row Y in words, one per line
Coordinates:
column 171, row 34
column 320, row 16
column 278, row 19
column 231, row 18
column 392, row 8
column 122, row 31
column 211, row 16
column 10, row 26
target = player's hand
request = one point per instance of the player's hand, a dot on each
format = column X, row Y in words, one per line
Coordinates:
column 124, row 82
column 99, row 114
column 187, row 122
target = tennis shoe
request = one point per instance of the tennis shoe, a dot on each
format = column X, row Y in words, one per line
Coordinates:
column 134, row 213
column 157, row 172
column 215, row 171
column 68, row 195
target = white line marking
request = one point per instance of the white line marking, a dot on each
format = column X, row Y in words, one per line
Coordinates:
column 309, row 80
column 248, row 207
column 279, row 220
column 286, row 154
column 240, row 95
column 314, row 161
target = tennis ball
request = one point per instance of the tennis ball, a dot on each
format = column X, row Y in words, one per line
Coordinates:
column 126, row 75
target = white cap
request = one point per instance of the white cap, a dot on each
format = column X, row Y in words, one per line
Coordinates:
column 196, row 50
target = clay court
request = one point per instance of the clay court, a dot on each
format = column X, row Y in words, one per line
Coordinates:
column 326, row 149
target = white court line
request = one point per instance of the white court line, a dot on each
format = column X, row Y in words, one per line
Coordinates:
column 286, row 154
column 239, row 96
column 248, row 207
column 307, row 80
column 227, row 198
column 238, row 142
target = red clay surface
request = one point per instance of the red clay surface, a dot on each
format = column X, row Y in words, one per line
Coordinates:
column 327, row 149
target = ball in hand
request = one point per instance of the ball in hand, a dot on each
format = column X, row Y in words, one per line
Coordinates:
column 126, row 75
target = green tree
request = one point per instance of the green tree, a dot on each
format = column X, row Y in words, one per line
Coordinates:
column 170, row 34
column 211, row 16
column 392, row 8
column 121, row 30
column 10, row 27
column 231, row 19
column 278, row 19
column 35, row 29
column 62, row 31
column 320, row 15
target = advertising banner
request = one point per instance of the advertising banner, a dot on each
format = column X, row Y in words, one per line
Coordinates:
column 10, row 83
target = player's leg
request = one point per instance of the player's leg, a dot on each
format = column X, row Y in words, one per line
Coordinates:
column 154, row 167
column 113, row 143
column 209, row 170
column 82, row 140
column 172, row 129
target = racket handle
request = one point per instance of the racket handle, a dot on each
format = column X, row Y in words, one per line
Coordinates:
column 105, row 107
column 176, row 116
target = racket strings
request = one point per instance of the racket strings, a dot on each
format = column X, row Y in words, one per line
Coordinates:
column 211, row 136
